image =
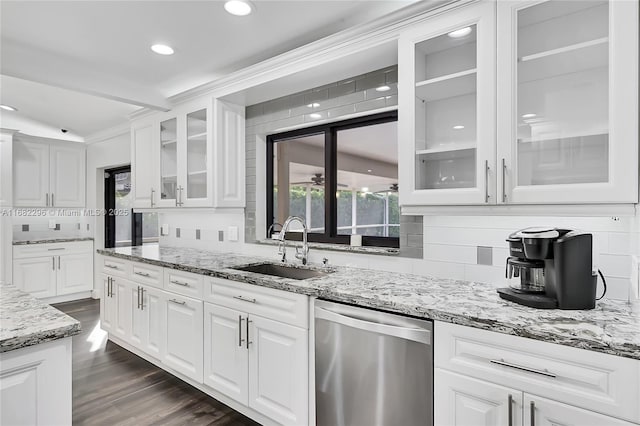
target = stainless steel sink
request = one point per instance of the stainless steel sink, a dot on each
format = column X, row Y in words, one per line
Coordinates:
column 282, row 271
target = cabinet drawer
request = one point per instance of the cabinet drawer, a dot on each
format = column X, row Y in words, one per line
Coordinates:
column 183, row 283
column 147, row 274
column 53, row 249
column 115, row 266
column 599, row 382
column 278, row 305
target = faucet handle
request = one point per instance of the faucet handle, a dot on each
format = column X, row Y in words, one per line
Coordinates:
column 325, row 261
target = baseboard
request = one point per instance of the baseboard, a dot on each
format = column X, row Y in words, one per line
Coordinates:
column 247, row 411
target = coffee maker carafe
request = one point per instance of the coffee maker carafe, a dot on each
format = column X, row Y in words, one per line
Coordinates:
column 550, row 268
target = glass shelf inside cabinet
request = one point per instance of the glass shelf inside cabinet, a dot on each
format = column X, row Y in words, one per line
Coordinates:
column 445, row 107
column 168, row 159
column 197, row 154
column 563, row 93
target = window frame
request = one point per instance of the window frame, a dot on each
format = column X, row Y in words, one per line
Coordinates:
column 330, row 131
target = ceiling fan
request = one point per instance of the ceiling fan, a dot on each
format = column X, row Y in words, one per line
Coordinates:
column 316, row 180
column 392, row 188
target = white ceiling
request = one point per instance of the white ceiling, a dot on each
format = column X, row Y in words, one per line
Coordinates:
column 101, row 48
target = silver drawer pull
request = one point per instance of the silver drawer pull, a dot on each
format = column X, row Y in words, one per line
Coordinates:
column 142, row 274
column 55, row 249
column 245, row 299
column 520, row 367
column 177, row 302
column 111, row 266
column 180, row 283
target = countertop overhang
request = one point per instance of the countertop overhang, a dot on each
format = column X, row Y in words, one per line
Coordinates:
column 613, row 327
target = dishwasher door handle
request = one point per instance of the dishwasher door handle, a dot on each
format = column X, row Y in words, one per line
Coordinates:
column 419, row 335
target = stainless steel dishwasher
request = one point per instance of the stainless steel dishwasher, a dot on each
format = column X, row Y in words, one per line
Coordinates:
column 372, row 368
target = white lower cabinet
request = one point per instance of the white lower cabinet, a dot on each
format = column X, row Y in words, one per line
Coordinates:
column 183, row 335
column 462, row 400
column 226, row 352
column 36, row 275
column 148, row 319
column 74, row 272
column 108, row 303
column 121, row 290
column 488, row 378
column 278, row 370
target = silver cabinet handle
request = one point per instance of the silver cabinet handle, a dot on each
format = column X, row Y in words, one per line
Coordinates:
column 177, row 302
column 58, row 262
column 56, row 249
column 52, row 203
column 486, row 181
column 109, row 294
column 240, row 339
column 179, row 200
column 248, row 341
column 139, row 297
column 180, row 283
column 520, row 367
column 533, row 413
column 110, row 266
column 142, row 298
column 53, row 264
column 504, row 177
column 510, row 402
column 245, row 299
column 47, row 199
column 151, row 198
column 143, row 274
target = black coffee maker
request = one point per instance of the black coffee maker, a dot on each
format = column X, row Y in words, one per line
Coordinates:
column 550, row 268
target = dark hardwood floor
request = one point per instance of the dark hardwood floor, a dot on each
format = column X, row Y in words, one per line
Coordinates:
column 112, row 386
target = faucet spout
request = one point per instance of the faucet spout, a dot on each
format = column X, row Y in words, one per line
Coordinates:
column 302, row 252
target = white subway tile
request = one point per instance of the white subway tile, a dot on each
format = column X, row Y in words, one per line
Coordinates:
column 500, row 256
column 617, row 288
column 438, row 269
column 450, row 253
column 624, row 243
column 615, row 265
column 485, row 274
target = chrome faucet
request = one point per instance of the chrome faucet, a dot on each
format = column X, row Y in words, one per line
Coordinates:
column 301, row 251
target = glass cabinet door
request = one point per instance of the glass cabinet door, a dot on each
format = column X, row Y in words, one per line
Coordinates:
column 168, row 160
column 196, row 148
column 451, row 100
column 561, row 145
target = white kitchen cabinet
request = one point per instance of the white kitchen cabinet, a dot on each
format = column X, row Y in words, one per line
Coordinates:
column 6, row 168
column 74, row 273
column 461, row 400
column 540, row 411
column 144, row 165
column 229, row 131
column 226, row 357
column 121, row 289
column 567, row 123
column 147, row 319
column 108, row 303
column 446, row 111
column 183, row 335
column 560, row 126
column 67, row 175
column 30, row 174
column 36, row 275
column 278, row 370
column 58, row 269
column 48, row 174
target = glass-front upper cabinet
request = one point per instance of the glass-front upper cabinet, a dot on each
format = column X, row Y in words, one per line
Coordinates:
column 568, row 101
column 447, row 109
column 186, row 158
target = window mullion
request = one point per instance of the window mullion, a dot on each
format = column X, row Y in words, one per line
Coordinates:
column 331, row 185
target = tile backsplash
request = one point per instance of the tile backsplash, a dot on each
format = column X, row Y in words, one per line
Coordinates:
column 37, row 227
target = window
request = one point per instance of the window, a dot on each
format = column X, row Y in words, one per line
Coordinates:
column 357, row 160
column 123, row 227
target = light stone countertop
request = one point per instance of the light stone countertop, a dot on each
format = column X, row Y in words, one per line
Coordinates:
column 27, row 321
column 51, row 241
column 612, row 327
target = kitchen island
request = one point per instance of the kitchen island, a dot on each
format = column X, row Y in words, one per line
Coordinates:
column 35, row 360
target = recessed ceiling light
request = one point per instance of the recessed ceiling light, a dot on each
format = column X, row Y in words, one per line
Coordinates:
column 383, row 88
column 162, row 49
column 315, row 115
column 365, row 189
column 8, row 107
column 530, row 115
column 460, row 33
column 369, row 170
column 458, row 127
column 238, row 7
column 314, row 105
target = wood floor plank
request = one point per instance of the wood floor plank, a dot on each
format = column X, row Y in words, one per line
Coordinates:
column 112, row 386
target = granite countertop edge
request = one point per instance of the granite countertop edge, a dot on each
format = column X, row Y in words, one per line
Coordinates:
column 311, row 287
column 51, row 241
